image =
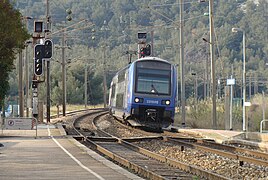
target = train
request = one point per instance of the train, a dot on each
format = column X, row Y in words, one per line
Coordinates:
column 144, row 93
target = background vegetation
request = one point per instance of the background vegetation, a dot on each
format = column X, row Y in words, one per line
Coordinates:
column 116, row 26
column 12, row 38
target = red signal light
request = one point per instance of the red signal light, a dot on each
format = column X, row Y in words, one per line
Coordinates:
column 142, row 52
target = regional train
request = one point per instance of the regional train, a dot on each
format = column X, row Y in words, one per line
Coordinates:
column 144, row 93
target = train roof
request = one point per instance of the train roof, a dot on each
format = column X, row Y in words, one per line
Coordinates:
column 152, row 58
column 143, row 59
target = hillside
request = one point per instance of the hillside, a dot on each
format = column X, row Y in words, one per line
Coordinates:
column 118, row 22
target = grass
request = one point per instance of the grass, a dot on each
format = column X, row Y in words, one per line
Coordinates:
column 198, row 114
column 73, row 107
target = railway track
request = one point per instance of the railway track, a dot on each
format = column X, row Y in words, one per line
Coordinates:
column 139, row 151
column 143, row 162
column 241, row 154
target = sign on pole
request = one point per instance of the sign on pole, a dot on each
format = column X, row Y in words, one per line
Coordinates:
column 20, row 124
column 230, row 82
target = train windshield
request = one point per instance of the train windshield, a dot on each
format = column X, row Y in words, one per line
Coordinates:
column 153, row 77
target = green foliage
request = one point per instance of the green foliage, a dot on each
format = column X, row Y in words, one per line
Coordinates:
column 256, row 111
column 198, row 113
column 12, row 37
column 127, row 17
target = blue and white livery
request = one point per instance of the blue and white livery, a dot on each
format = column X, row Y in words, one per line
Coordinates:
column 144, row 93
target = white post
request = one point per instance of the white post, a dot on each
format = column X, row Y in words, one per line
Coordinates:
column 244, row 82
column 231, row 107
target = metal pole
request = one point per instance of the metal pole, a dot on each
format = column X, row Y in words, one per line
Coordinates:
column 26, row 80
column 196, row 88
column 207, row 76
column 21, row 108
column 48, row 68
column 86, row 86
column 263, row 106
column 104, row 78
column 63, row 76
column 231, row 106
column 104, row 66
column 182, row 65
column 212, row 52
column 231, row 102
column 249, row 85
column 48, row 91
column 244, row 81
column 152, row 43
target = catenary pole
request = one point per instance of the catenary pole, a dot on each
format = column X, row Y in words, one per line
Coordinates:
column 212, row 52
column 182, row 65
column 48, row 65
column 63, row 76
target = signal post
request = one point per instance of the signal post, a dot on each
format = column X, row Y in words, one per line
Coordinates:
column 143, row 48
column 42, row 51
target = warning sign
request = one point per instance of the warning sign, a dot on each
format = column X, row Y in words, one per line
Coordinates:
column 19, row 123
column 11, row 122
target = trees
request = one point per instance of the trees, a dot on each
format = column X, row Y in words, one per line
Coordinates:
column 127, row 17
column 12, row 37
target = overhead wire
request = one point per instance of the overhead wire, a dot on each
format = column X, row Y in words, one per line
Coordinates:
column 163, row 5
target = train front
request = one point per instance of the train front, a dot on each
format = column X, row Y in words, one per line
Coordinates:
column 153, row 93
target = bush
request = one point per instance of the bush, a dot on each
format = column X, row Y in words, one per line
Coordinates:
column 198, row 114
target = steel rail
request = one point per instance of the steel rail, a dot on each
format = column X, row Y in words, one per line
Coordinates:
column 115, row 148
column 236, row 149
column 98, row 143
column 77, row 120
column 241, row 158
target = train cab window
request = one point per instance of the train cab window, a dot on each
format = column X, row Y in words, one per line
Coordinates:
column 121, row 76
column 153, row 78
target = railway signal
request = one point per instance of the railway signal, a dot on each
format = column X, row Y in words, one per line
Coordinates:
column 142, row 52
column 42, row 52
column 38, row 26
column 145, row 51
column 48, row 49
column 69, row 15
column 148, row 50
column 38, row 59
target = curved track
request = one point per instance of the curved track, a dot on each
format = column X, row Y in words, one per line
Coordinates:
column 127, row 146
column 146, row 163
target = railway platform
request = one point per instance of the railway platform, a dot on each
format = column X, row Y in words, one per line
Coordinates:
column 52, row 155
column 256, row 139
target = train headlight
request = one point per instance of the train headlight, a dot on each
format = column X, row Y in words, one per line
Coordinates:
column 138, row 100
column 165, row 102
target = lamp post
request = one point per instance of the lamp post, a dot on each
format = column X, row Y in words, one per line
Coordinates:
column 244, row 75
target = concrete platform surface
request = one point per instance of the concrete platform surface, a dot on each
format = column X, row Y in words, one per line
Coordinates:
column 52, row 156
